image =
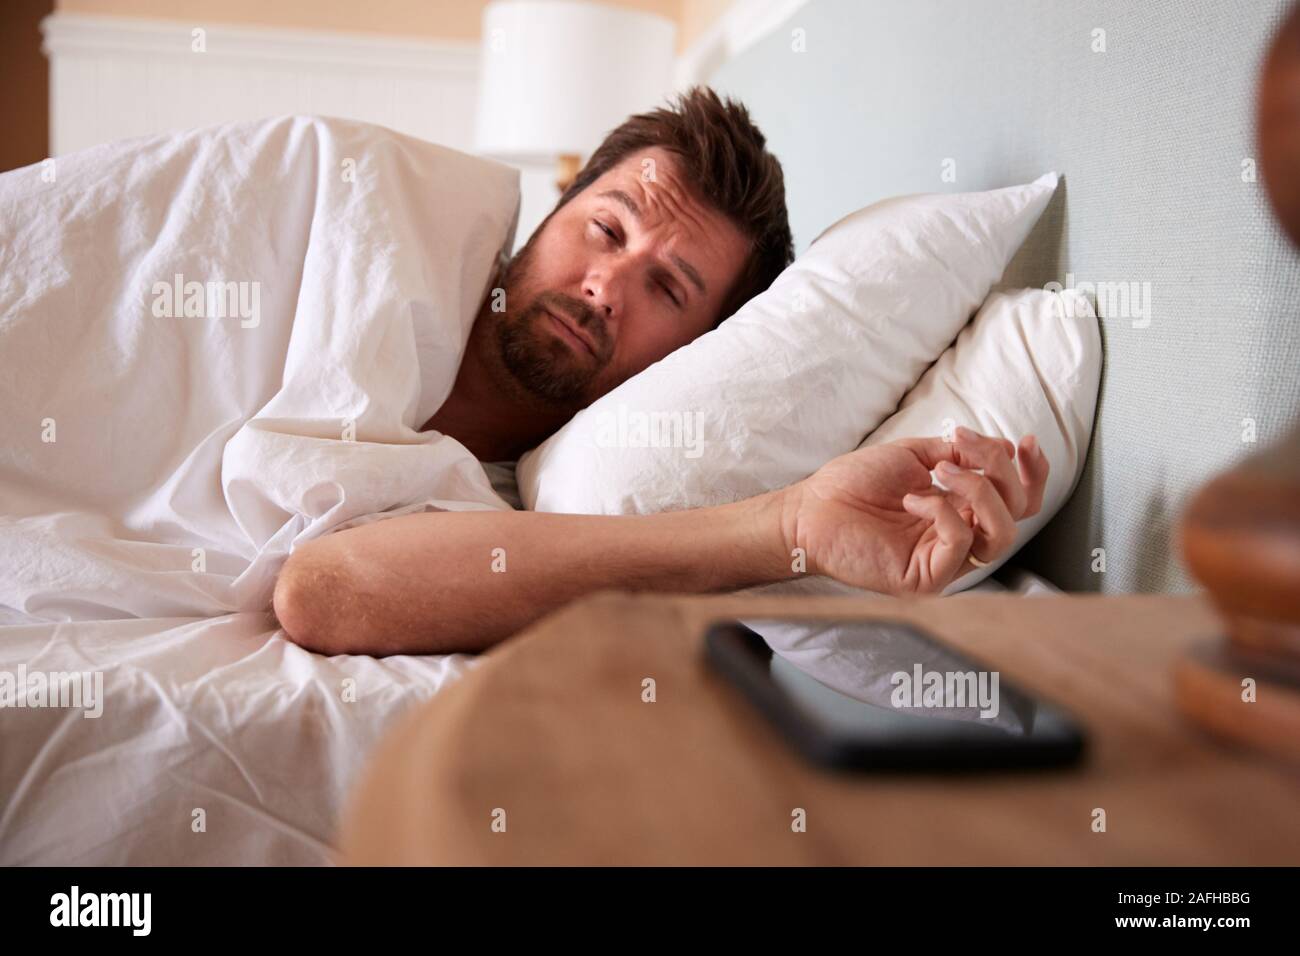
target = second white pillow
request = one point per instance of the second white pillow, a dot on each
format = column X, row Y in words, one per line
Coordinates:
column 1029, row 363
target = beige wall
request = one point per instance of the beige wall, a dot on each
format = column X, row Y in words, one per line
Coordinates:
column 695, row 17
column 440, row 19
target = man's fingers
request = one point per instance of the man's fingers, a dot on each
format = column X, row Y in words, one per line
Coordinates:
column 934, row 449
column 989, row 454
column 995, row 530
column 953, row 535
column 1034, row 469
column 931, row 450
column 1021, row 485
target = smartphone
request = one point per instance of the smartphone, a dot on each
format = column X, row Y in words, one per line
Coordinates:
column 886, row 695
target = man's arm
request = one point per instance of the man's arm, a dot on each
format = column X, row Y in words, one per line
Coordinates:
column 436, row 582
column 426, row 584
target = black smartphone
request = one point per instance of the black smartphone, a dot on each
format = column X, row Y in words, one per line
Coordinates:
column 885, row 695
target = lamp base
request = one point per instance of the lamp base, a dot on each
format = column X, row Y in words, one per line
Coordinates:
column 567, row 168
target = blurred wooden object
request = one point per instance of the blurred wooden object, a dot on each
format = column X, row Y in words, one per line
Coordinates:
column 1241, row 533
column 1241, row 539
column 1278, row 124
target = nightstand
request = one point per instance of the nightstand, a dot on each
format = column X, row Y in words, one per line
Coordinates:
column 546, row 752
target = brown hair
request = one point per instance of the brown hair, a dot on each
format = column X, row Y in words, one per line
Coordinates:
column 723, row 156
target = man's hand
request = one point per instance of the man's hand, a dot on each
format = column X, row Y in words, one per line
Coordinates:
column 873, row 518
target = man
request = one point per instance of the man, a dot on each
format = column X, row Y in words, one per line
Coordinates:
column 678, row 219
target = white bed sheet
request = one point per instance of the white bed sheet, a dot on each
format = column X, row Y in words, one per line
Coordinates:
column 220, row 742
column 160, row 461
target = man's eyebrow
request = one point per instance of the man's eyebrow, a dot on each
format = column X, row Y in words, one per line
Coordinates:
column 690, row 273
column 625, row 199
column 630, row 205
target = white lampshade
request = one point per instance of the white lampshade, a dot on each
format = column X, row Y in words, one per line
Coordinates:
column 557, row 75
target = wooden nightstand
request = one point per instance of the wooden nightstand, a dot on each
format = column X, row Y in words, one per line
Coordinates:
column 551, row 729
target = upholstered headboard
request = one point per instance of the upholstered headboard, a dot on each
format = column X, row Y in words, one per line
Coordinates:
column 1147, row 110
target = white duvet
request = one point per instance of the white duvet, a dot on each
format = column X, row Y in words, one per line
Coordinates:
column 213, row 347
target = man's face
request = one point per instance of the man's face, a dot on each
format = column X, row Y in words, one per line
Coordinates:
column 630, row 269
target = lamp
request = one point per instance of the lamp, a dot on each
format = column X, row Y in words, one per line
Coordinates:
column 557, row 75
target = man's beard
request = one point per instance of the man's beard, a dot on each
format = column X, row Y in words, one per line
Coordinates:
column 542, row 364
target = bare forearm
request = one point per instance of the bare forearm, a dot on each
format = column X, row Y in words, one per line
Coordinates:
column 438, row 582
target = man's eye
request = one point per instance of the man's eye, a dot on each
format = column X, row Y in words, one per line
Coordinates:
column 614, row 236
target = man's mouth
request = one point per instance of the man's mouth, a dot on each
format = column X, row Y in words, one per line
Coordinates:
column 569, row 330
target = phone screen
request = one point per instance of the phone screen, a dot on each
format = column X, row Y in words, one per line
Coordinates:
column 875, row 691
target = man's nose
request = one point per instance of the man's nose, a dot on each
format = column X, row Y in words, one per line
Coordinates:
column 602, row 291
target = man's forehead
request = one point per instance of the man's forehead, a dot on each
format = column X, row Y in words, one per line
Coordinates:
column 649, row 185
column 652, row 179
column 650, row 165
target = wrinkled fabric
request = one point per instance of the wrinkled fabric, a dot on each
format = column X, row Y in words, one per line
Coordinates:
column 164, row 465
column 215, row 346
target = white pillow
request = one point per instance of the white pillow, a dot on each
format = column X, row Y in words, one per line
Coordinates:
column 801, row 373
column 1029, row 363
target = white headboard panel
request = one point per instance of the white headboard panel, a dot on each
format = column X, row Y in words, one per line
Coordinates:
column 120, row 77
